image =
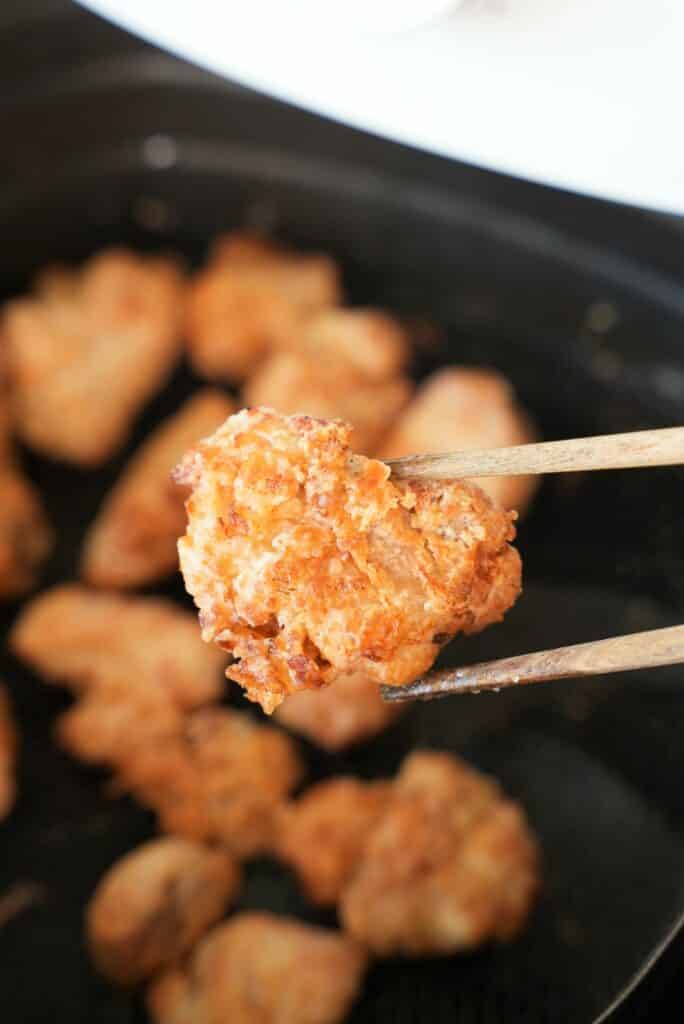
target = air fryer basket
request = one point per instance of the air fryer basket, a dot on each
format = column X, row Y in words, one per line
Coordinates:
column 110, row 141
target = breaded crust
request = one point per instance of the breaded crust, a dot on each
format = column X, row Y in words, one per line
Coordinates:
column 321, row 836
column 223, row 779
column 88, row 348
column 154, row 904
column 261, row 969
column 307, row 562
column 458, row 408
column 450, row 864
column 133, row 539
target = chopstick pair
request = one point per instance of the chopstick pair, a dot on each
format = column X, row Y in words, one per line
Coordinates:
column 645, row 448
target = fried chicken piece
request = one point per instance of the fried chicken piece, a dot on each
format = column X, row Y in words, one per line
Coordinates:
column 343, row 363
column 458, row 408
column 450, row 864
column 252, row 297
column 261, row 969
column 224, row 779
column 133, row 540
column 88, row 348
column 308, row 563
column 8, row 755
column 25, row 536
column 154, row 904
column 83, row 638
column 321, row 836
column 337, row 716
column 114, row 717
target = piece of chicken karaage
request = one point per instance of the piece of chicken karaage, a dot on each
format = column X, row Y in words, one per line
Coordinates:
column 343, row 363
column 224, row 779
column 458, row 409
column 261, row 969
column 449, row 864
column 154, row 904
column 308, row 562
column 80, row 638
column 133, row 539
column 88, row 348
column 252, row 297
column 322, row 834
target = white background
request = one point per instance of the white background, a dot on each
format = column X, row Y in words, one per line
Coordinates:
column 585, row 94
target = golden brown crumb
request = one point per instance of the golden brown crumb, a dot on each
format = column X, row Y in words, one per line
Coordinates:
column 224, row 779
column 25, row 536
column 88, row 348
column 308, row 563
column 336, row 716
column 133, row 540
column 8, row 755
column 321, row 836
column 82, row 638
column 154, row 904
column 343, row 363
column 450, row 864
column 460, row 409
column 261, row 969
column 252, row 297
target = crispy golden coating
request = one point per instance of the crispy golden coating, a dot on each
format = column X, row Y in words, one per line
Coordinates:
column 252, row 297
column 336, row 716
column 154, row 904
column 343, row 363
column 8, row 755
column 82, row 638
column 461, row 408
column 307, row 562
column 114, row 717
column 25, row 536
column 322, row 835
column 224, row 779
column 261, row 969
column 133, row 540
column 450, row 864
column 88, row 348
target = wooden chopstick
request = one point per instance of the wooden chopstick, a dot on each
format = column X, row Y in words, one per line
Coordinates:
column 618, row 654
column 611, row 451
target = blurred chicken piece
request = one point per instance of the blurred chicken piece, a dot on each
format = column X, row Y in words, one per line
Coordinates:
column 25, row 537
column 337, row 716
column 82, row 638
column 261, row 969
column 450, row 864
column 460, row 409
column 109, row 720
column 133, row 540
column 250, row 298
column 88, row 348
column 223, row 779
column 154, row 904
column 343, row 364
column 308, row 562
column 8, row 755
column 321, row 836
